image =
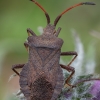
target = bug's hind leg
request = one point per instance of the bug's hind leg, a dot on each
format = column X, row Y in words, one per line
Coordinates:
column 69, row 69
column 17, row 66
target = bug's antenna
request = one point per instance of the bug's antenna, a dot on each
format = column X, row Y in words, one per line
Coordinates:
column 46, row 14
column 79, row 4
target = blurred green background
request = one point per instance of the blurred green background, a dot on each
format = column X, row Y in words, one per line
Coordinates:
column 18, row 15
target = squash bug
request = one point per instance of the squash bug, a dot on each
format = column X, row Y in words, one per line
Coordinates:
column 41, row 77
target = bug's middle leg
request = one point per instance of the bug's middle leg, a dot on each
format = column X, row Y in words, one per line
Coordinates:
column 71, row 53
column 30, row 32
column 26, row 45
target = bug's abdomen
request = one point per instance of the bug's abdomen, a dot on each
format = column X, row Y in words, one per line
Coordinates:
column 41, row 89
column 35, row 86
column 24, row 84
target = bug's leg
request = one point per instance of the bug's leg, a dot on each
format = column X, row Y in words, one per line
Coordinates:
column 57, row 32
column 26, row 45
column 30, row 32
column 69, row 69
column 17, row 66
column 71, row 53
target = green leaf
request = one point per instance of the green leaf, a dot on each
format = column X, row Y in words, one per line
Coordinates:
column 87, row 95
column 85, row 76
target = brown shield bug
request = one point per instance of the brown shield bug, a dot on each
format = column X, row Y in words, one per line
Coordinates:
column 41, row 77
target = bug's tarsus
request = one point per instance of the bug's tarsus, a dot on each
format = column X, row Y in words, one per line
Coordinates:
column 46, row 14
column 79, row 4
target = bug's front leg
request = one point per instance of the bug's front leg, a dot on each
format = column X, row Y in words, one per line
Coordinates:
column 17, row 66
column 29, row 31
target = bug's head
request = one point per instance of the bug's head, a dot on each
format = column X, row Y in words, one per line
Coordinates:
column 50, row 29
